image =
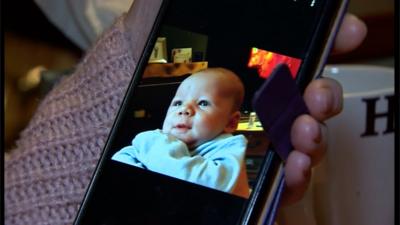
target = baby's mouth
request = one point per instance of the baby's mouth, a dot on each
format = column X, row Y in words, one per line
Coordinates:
column 182, row 126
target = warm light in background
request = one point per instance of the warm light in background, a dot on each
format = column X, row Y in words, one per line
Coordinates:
column 266, row 61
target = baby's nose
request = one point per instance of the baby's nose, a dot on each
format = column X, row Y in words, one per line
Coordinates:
column 185, row 111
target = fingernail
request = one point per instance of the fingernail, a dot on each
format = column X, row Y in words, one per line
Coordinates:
column 327, row 101
column 318, row 137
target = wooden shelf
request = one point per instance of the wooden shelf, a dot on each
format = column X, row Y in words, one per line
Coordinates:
column 173, row 69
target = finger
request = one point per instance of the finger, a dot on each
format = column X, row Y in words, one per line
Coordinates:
column 324, row 98
column 351, row 34
column 297, row 177
column 309, row 137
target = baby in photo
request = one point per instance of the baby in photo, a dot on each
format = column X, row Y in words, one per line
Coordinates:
column 196, row 142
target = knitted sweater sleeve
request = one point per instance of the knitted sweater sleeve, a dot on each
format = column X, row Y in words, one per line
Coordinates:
column 47, row 174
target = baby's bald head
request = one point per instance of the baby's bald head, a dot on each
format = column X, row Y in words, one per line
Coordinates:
column 227, row 82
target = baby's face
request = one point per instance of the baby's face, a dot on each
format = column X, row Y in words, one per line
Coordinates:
column 200, row 111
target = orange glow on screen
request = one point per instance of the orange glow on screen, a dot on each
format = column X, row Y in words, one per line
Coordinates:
column 266, row 61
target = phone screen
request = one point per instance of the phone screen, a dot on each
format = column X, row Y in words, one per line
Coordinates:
column 174, row 157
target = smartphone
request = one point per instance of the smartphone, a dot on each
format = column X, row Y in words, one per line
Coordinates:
column 142, row 178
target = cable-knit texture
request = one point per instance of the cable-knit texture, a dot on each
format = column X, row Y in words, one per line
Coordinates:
column 47, row 174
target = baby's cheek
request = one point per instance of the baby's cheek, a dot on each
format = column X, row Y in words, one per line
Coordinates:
column 164, row 130
column 166, row 126
column 210, row 125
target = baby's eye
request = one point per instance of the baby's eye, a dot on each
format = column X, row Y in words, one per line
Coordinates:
column 204, row 103
column 177, row 103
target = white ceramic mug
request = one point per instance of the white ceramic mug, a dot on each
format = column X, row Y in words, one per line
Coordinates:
column 354, row 185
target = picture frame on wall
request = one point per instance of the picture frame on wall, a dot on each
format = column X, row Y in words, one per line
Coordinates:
column 182, row 55
column 159, row 53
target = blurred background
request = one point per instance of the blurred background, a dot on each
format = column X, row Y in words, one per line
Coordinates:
column 43, row 40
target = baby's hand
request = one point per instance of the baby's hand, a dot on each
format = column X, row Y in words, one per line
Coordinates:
column 324, row 100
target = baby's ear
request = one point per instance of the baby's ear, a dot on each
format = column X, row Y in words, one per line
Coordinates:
column 233, row 122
